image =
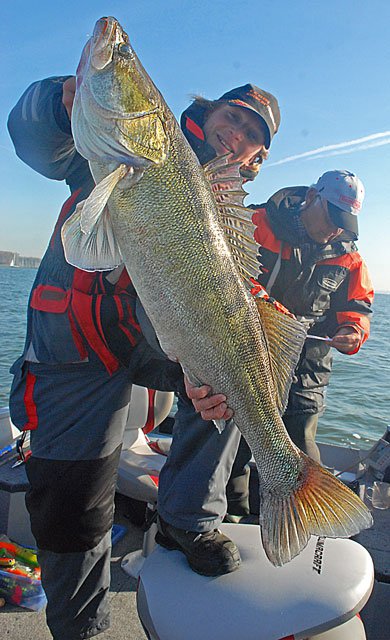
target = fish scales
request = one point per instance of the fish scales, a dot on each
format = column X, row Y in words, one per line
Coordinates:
column 210, row 303
column 163, row 222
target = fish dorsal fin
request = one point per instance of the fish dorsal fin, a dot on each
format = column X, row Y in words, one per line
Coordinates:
column 87, row 236
column 285, row 336
column 236, row 219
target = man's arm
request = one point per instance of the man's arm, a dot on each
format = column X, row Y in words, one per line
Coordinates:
column 39, row 126
column 68, row 94
column 351, row 305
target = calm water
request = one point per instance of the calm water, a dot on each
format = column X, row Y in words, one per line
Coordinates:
column 358, row 401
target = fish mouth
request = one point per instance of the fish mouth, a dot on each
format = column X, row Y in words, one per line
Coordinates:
column 110, row 44
column 107, row 36
column 115, row 94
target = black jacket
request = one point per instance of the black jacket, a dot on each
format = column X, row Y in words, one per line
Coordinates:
column 75, row 316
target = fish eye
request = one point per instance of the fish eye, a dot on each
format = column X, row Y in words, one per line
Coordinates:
column 124, row 49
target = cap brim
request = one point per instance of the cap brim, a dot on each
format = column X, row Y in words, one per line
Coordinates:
column 343, row 219
column 245, row 105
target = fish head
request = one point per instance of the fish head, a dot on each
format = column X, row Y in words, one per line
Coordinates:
column 118, row 115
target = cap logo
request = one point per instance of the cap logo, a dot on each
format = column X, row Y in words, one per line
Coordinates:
column 355, row 204
column 265, row 102
column 258, row 96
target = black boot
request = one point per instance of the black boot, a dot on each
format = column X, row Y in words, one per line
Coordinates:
column 210, row 553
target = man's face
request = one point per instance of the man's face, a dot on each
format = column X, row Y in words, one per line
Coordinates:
column 234, row 130
column 316, row 219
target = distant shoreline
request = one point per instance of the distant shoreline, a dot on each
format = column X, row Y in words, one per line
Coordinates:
column 7, row 266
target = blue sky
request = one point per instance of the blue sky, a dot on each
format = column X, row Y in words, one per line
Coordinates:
column 327, row 62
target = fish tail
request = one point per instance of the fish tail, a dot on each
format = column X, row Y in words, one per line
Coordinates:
column 319, row 505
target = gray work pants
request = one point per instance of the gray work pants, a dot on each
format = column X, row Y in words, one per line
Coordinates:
column 81, row 413
column 302, row 429
column 192, row 485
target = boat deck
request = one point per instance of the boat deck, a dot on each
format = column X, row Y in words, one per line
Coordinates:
column 18, row 623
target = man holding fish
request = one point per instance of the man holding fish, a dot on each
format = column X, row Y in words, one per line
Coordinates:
column 60, row 382
column 73, row 392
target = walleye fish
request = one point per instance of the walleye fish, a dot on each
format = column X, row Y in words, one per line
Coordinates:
column 190, row 254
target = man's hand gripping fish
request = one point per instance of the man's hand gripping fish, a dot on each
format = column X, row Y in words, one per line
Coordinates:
column 190, row 255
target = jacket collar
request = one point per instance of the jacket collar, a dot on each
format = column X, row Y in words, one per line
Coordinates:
column 191, row 122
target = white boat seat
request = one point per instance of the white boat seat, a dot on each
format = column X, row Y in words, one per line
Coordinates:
column 139, row 470
column 326, row 585
column 139, row 407
column 139, row 465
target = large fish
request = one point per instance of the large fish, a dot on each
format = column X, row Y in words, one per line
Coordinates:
column 153, row 209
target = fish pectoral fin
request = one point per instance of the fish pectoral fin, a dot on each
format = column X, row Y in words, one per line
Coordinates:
column 320, row 505
column 235, row 219
column 285, row 337
column 95, row 203
column 87, row 236
column 93, row 251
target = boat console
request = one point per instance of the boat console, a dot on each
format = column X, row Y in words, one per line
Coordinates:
column 317, row 593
